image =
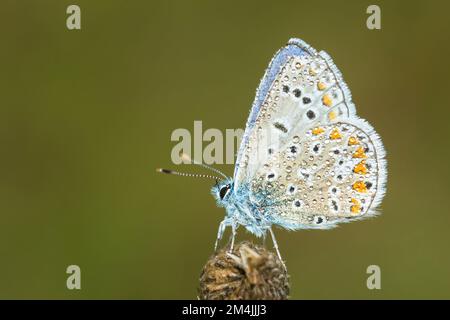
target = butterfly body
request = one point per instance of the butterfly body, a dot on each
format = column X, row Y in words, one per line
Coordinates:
column 241, row 210
column 306, row 161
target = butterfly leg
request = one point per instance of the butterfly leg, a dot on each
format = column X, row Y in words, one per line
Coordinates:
column 222, row 227
column 275, row 244
column 233, row 235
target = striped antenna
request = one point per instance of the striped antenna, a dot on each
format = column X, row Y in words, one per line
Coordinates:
column 184, row 174
column 185, row 157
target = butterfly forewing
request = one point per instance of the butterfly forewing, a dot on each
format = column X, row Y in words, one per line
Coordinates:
column 300, row 88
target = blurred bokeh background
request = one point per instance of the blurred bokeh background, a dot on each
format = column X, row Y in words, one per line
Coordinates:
column 86, row 116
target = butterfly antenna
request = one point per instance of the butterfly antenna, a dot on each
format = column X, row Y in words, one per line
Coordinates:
column 187, row 158
column 184, row 174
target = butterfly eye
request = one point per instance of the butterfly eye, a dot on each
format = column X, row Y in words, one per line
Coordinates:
column 223, row 191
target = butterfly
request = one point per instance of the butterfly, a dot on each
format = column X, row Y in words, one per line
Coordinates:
column 306, row 160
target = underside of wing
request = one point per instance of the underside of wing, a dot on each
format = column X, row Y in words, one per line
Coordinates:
column 335, row 173
column 301, row 88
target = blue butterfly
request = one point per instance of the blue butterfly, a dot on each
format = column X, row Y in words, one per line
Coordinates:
column 306, row 160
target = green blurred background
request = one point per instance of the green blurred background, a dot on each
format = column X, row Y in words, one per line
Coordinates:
column 86, row 117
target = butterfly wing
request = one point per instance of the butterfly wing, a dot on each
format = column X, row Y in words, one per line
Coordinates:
column 299, row 89
column 336, row 174
column 306, row 158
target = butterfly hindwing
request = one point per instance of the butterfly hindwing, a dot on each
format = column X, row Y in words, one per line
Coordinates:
column 335, row 173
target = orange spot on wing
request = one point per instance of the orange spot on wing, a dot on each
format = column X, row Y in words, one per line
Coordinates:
column 352, row 141
column 360, row 186
column 360, row 168
column 356, row 207
column 326, row 100
column 359, row 153
column 321, row 86
column 332, row 115
column 335, row 134
column 317, row 131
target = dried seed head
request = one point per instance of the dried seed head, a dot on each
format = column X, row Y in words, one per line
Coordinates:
column 250, row 272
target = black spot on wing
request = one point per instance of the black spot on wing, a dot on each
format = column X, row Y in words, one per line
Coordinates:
column 280, row 127
column 310, row 114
